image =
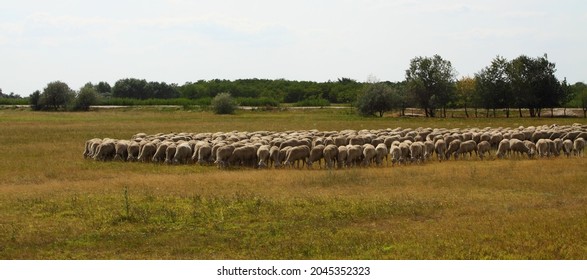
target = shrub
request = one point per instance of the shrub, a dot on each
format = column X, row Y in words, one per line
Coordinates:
column 312, row 102
column 86, row 97
column 257, row 102
column 376, row 98
column 223, row 103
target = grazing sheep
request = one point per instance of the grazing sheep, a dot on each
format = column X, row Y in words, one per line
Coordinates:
column 369, row 154
column 466, row 147
column 404, row 151
column 396, row 154
column 578, row 146
column 316, row 154
column 89, row 149
column 106, row 150
column 417, row 152
column 342, row 156
column 147, row 151
column 223, row 154
column 196, row 149
column 274, row 156
column 503, row 149
column 132, row 151
column 382, row 153
column 567, row 147
column 263, row 156
column 170, row 153
column 245, row 156
column 440, row 149
column 558, row 146
column 183, row 153
column 338, row 147
column 330, row 155
column 531, row 148
column 159, row 155
column 354, row 154
column 428, row 149
column 281, row 156
column 204, row 154
column 483, row 148
column 357, row 140
column 121, row 150
column 542, row 147
column 340, row 141
column 518, row 147
column 297, row 154
column 453, row 147
column 495, row 139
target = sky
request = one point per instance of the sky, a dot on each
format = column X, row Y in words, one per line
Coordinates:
column 179, row 41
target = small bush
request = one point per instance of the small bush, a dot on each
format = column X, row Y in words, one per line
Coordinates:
column 257, row 102
column 14, row 101
column 86, row 97
column 223, row 103
column 313, row 102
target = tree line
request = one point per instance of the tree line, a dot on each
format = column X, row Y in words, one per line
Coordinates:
column 431, row 84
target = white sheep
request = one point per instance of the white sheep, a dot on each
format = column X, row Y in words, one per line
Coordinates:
column 382, row 153
column 316, row 154
column 342, row 156
column 578, row 146
column 503, row 148
column 440, row 149
column 263, row 156
column 330, row 155
column 465, row 147
column 417, row 152
column 568, row 147
column 297, row 154
column 483, row 148
column 453, row 147
column 396, row 154
column 369, row 154
column 542, row 147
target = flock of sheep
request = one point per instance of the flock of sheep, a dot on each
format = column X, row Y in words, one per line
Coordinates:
column 340, row 149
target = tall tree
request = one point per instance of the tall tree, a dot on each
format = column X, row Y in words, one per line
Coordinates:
column 103, row 88
column 431, row 81
column 375, row 98
column 465, row 91
column 493, row 86
column 86, row 97
column 534, row 85
column 56, row 96
column 579, row 91
column 131, row 88
column 34, row 100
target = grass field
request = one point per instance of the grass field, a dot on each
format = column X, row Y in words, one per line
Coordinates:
column 56, row 205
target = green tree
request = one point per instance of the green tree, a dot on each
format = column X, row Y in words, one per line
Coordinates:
column 87, row 96
column 34, row 100
column 465, row 91
column 375, row 98
column 431, row 81
column 131, row 88
column 103, row 88
column 57, row 95
column 223, row 103
column 534, row 84
column 579, row 91
column 493, row 86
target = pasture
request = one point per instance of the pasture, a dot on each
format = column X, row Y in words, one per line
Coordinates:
column 56, row 205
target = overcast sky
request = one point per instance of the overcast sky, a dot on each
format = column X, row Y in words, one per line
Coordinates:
column 176, row 41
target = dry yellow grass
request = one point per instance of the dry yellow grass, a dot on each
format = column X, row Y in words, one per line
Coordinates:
column 56, row 205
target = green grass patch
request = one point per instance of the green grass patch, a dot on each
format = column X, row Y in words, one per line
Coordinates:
column 56, row 205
